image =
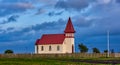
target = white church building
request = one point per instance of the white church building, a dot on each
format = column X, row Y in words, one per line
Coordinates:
column 57, row 43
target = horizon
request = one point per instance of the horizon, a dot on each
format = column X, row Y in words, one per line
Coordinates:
column 22, row 22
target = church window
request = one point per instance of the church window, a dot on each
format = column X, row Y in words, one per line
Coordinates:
column 58, row 48
column 42, row 48
column 50, row 48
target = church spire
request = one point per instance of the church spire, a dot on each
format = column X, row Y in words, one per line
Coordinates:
column 69, row 27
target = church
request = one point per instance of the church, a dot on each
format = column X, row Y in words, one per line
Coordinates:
column 57, row 43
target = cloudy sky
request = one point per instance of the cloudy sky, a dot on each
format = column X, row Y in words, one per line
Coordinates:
column 24, row 21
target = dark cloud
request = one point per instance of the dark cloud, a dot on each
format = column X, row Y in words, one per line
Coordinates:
column 47, row 2
column 109, row 23
column 10, row 28
column 10, row 8
column 101, row 17
column 15, row 1
column 70, row 4
column 82, row 22
column 55, row 13
column 40, row 11
column 12, row 18
column 13, row 36
column 26, row 33
column 49, row 25
column 51, row 13
column 99, row 27
column 118, row 1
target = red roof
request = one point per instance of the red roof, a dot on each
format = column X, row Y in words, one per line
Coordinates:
column 69, row 28
column 51, row 39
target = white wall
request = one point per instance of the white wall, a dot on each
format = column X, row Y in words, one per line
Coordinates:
column 53, row 49
column 69, row 42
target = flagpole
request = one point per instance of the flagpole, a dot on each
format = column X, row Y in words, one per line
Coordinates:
column 108, row 45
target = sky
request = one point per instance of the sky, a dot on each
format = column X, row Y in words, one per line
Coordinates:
column 22, row 22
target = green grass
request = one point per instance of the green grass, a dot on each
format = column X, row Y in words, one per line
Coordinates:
column 34, row 61
column 48, row 61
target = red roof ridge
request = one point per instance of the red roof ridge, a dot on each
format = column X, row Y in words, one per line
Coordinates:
column 54, row 34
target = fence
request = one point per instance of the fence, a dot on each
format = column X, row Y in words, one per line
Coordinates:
column 75, row 55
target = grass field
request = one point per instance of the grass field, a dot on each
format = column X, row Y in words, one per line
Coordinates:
column 35, row 61
column 47, row 60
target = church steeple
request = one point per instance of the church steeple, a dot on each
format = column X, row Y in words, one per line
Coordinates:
column 69, row 27
column 69, row 36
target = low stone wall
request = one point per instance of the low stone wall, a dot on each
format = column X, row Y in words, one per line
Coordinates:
column 75, row 55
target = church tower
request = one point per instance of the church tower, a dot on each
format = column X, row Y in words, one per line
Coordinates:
column 69, row 37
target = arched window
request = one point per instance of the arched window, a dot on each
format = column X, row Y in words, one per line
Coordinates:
column 58, row 48
column 50, row 48
column 42, row 48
